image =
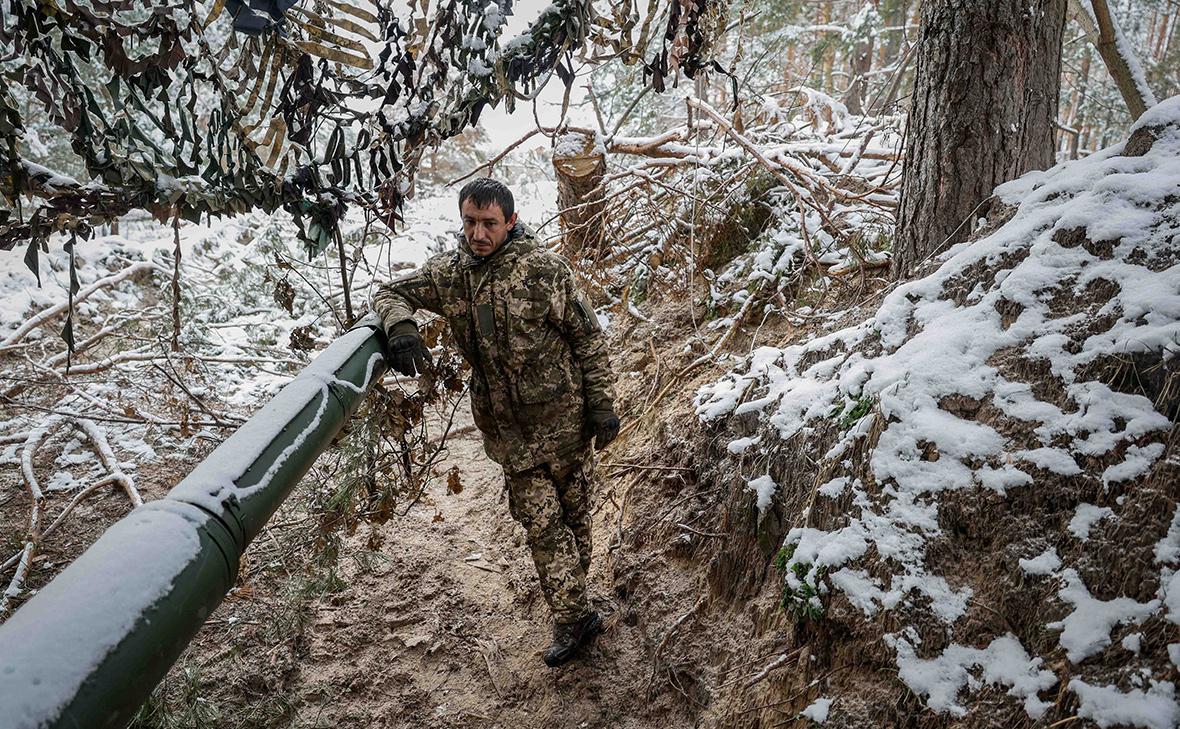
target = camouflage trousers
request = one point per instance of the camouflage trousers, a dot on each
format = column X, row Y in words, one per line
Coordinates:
column 554, row 508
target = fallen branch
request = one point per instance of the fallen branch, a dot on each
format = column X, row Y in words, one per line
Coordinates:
column 653, row 147
column 14, row 438
column 115, row 476
column 145, row 355
column 106, row 282
column 107, row 456
column 36, row 497
column 93, row 339
column 781, row 660
column 699, row 533
column 746, row 664
column 49, row 530
column 103, row 419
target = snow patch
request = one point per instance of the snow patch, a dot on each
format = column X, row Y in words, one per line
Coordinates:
column 1086, row 630
column 818, row 710
column 1107, row 706
column 764, row 487
column 741, row 445
column 1045, row 563
column 1003, row 662
column 1137, row 463
column 1085, row 517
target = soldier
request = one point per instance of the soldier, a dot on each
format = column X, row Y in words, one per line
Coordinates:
column 541, row 384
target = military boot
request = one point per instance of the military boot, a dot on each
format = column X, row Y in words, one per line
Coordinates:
column 569, row 637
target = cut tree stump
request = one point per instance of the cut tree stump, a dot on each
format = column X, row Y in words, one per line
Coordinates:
column 579, row 159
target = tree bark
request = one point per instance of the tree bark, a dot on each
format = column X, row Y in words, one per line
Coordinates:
column 983, row 112
column 580, row 162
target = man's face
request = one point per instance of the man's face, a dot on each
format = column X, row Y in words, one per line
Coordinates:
column 485, row 228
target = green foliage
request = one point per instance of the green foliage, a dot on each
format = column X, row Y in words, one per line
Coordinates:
column 711, row 310
column 189, row 707
column 852, row 411
column 802, row 602
column 323, row 581
column 783, row 558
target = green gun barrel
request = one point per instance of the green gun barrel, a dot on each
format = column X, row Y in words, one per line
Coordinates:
column 87, row 650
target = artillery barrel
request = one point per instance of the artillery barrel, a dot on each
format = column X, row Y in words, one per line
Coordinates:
column 87, row 649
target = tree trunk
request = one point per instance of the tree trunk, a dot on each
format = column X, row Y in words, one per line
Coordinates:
column 983, row 112
column 1123, row 66
column 828, row 57
column 859, row 64
column 580, row 161
column 1077, row 115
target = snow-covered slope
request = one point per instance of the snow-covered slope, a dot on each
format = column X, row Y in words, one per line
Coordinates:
column 993, row 507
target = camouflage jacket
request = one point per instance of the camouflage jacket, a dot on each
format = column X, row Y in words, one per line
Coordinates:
column 535, row 347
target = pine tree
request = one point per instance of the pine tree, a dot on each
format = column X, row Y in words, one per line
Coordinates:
column 983, row 112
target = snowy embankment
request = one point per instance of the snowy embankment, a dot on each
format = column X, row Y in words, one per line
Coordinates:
column 993, row 508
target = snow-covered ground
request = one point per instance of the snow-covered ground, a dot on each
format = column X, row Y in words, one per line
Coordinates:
column 1084, row 274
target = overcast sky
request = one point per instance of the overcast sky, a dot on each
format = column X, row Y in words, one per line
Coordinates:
column 504, row 129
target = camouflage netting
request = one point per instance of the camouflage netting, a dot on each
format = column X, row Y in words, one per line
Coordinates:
column 218, row 107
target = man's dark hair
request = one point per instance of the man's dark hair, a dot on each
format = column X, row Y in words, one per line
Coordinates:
column 483, row 191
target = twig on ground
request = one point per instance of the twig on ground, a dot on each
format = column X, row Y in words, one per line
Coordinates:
column 776, row 663
column 655, row 659
column 104, row 419
column 49, row 530
column 487, row 663
column 107, row 456
column 687, row 528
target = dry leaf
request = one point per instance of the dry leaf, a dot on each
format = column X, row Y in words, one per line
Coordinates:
column 454, row 484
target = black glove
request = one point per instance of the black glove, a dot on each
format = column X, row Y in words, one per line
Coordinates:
column 604, row 426
column 407, row 354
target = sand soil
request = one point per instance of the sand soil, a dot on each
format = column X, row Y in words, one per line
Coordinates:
column 448, row 629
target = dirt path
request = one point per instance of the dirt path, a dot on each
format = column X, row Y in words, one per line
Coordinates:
column 449, row 631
